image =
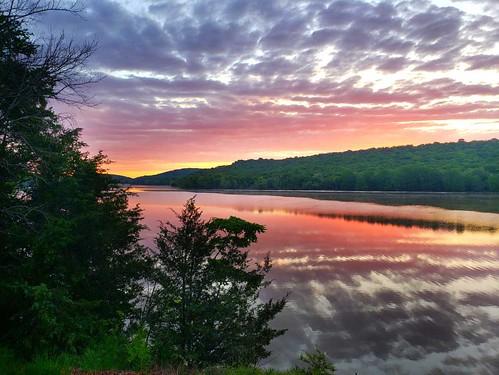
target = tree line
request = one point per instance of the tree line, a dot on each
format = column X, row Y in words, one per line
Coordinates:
column 452, row 167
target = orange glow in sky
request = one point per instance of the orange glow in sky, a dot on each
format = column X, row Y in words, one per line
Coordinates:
column 190, row 84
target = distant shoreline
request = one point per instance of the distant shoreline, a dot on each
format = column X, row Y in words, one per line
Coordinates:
column 401, row 192
column 463, row 201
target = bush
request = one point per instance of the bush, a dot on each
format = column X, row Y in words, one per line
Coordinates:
column 40, row 365
column 318, row 363
column 107, row 354
column 113, row 352
column 8, row 362
column 139, row 355
column 46, row 365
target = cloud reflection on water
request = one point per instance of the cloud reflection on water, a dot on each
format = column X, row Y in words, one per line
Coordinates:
column 380, row 296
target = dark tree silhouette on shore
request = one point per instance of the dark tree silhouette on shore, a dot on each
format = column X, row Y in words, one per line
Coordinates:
column 207, row 309
column 70, row 261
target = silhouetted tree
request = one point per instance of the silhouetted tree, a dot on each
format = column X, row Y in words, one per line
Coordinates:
column 206, row 309
column 70, row 262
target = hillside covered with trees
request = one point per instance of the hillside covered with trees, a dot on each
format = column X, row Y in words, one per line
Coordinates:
column 454, row 167
column 165, row 178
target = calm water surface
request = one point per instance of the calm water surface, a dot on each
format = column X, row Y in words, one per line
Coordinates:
column 409, row 289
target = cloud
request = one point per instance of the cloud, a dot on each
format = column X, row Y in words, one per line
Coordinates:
column 483, row 62
column 294, row 66
column 393, row 64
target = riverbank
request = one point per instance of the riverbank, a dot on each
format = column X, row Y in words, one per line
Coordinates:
column 480, row 202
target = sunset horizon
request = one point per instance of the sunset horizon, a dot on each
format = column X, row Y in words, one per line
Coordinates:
column 214, row 164
column 200, row 84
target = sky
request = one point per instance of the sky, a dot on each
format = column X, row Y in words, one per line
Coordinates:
column 200, row 83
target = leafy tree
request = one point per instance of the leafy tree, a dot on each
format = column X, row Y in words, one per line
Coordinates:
column 317, row 363
column 70, row 262
column 206, row 309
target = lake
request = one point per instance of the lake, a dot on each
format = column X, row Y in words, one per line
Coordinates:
column 384, row 283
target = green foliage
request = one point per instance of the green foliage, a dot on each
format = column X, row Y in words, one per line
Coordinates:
column 45, row 365
column 317, row 363
column 139, row 354
column 110, row 353
column 8, row 362
column 462, row 166
column 70, row 262
column 39, row 365
column 206, row 309
column 113, row 352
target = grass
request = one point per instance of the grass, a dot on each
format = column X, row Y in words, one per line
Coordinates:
column 116, row 355
column 68, row 365
column 109, row 354
column 97, row 363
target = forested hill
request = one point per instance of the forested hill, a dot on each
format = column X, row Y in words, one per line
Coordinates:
column 458, row 166
column 165, row 178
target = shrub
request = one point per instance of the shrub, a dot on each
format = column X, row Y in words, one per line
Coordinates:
column 139, row 355
column 318, row 363
column 108, row 354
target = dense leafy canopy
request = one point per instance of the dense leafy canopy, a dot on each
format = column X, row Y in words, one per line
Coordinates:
column 459, row 166
column 70, row 260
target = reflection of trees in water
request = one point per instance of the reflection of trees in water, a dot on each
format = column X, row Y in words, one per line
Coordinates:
column 410, row 223
column 387, row 220
column 449, row 201
column 480, row 202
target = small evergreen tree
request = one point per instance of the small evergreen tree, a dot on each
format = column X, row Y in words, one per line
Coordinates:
column 317, row 363
column 207, row 308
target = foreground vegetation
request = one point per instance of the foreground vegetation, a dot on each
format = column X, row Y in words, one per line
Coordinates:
column 114, row 356
column 77, row 288
column 453, row 167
